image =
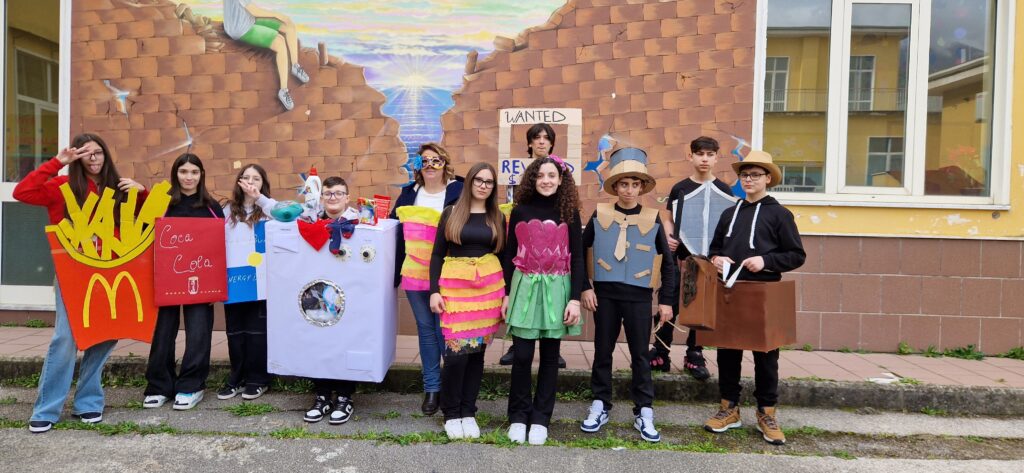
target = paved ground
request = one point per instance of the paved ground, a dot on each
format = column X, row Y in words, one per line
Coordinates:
column 997, row 372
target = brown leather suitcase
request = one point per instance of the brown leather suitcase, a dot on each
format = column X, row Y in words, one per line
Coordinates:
column 756, row 316
column 698, row 294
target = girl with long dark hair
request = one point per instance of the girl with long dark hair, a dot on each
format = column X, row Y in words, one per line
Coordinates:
column 90, row 170
column 189, row 198
column 468, row 290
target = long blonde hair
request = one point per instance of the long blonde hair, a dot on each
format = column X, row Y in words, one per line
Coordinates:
column 459, row 211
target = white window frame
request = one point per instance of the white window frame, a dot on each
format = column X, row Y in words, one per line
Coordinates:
column 888, row 154
column 871, row 95
column 785, row 84
column 37, row 297
column 911, row 196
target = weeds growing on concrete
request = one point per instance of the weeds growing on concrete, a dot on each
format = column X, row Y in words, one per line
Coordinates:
column 843, row 454
column 910, row 381
column 123, row 381
column 8, row 401
column 935, row 412
column 904, row 348
column 249, row 409
column 492, row 389
column 807, row 347
column 931, row 352
column 581, row 392
column 967, row 353
column 27, row 381
column 811, row 378
column 293, row 385
column 1015, row 353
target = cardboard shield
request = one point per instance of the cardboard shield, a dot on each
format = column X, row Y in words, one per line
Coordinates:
column 189, row 261
column 698, row 295
column 696, row 216
column 756, row 316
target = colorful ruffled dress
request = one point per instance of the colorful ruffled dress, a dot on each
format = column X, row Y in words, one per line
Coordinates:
column 419, row 227
column 469, row 277
column 541, row 284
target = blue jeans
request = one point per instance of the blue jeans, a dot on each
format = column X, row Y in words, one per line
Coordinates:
column 428, row 326
column 59, row 368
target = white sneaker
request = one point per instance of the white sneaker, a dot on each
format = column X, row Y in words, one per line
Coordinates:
column 517, row 433
column 597, row 418
column 154, row 401
column 645, row 424
column 286, row 99
column 454, row 429
column 300, row 73
column 538, row 434
column 186, row 401
column 470, row 428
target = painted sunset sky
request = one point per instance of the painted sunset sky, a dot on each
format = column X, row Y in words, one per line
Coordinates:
column 405, row 43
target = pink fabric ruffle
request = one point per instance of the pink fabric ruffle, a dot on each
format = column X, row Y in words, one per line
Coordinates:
column 463, row 317
column 419, row 231
column 477, row 332
column 412, row 284
column 496, row 295
column 466, row 284
column 543, row 247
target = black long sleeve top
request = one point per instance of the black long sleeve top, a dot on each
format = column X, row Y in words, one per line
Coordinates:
column 669, row 291
column 775, row 238
column 186, row 207
column 545, row 208
column 477, row 240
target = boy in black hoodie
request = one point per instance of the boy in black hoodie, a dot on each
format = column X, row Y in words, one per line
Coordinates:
column 759, row 238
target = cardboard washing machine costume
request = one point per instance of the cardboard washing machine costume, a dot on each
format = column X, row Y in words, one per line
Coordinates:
column 331, row 316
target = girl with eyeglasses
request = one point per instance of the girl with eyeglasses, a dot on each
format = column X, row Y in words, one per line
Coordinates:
column 468, row 289
column 418, row 208
column 90, row 170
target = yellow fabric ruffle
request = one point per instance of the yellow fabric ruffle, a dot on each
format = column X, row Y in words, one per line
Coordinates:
column 456, row 306
column 472, row 291
column 412, row 269
column 418, row 214
column 471, row 325
column 469, row 269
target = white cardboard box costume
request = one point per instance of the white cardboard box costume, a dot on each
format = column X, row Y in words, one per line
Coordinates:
column 330, row 316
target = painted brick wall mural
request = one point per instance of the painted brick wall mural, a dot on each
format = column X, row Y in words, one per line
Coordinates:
column 155, row 79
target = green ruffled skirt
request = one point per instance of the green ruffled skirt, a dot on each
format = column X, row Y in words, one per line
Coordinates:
column 536, row 306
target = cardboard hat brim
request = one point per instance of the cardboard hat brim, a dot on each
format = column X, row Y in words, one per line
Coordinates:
column 629, row 168
column 762, row 160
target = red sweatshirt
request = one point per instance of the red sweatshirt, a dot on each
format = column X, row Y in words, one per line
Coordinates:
column 42, row 187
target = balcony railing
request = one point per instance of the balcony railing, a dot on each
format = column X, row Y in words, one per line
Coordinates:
column 816, row 100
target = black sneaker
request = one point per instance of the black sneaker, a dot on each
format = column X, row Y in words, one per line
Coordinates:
column 561, row 362
column 659, row 361
column 228, row 392
column 39, row 426
column 342, row 411
column 91, row 417
column 321, row 406
column 508, row 357
column 695, row 365
column 253, row 392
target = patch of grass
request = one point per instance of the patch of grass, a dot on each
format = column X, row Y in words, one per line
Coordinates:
column 301, row 433
column 806, row 430
column 493, row 388
column 935, row 412
column 417, row 415
column 121, row 428
column 12, row 424
column 27, row 381
column 974, row 438
column 811, row 378
column 250, row 409
column 910, row 381
column 904, row 348
column 134, row 405
column 862, row 351
column 843, row 454
column 8, row 401
column 392, row 414
column 581, row 392
column 844, row 350
column 294, row 386
column 1015, row 353
column 807, row 347
column 36, row 323
column 411, row 438
column 123, row 381
column 484, row 418
column 931, row 352
column 968, row 352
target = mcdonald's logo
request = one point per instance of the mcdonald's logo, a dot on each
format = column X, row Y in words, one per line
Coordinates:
column 111, row 291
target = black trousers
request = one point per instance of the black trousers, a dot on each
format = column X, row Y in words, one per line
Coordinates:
column 611, row 315
column 667, row 332
column 246, row 324
column 325, row 387
column 536, row 409
column 460, row 384
column 766, row 376
column 195, row 364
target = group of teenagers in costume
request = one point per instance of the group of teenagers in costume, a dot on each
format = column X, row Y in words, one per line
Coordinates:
column 465, row 273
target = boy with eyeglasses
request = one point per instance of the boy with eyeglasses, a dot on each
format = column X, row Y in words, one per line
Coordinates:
column 759, row 238
column 694, row 205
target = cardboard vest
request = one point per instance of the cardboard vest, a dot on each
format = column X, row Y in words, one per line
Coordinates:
column 624, row 247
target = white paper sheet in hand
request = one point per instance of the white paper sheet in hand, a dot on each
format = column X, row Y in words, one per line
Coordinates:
column 348, row 328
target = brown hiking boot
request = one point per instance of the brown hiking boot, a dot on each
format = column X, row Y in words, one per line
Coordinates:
column 768, row 425
column 727, row 417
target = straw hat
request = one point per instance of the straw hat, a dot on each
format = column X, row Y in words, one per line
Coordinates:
column 628, row 162
column 762, row 160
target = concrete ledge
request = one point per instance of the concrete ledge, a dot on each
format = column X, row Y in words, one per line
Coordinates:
column 954, row 400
